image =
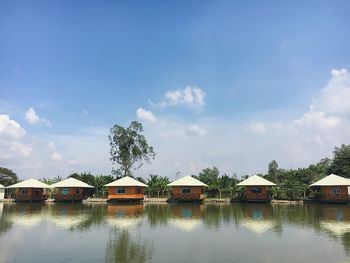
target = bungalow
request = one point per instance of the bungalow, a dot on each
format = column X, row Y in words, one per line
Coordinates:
column 126, row 189
column 332, row 188
column 187, row 189
column 30, row 190
column 2, row 192
column 71, row 189
column 256, row 189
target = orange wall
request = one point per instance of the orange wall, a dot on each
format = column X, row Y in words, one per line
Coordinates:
column 72, row 194
column 130, row 192
column 34, row 194
column 194, row 189
column 327, row 193
column 196, row 193
column 264, row 195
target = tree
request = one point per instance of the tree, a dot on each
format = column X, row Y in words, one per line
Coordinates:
column 157, row 185
column 274, row 171
column 7, row 177
column 129, row 147
column 341, row 161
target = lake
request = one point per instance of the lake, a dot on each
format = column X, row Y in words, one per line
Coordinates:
column 59, row 232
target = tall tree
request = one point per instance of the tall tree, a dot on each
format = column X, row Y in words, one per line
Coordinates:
column 7, row 177
column 341, row 161
column 273, row 171
column 129, row 147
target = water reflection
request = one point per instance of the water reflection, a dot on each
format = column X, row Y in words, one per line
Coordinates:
column 186, row 217
column 123, row 246
column 129, row 233
column 258, row 218
column 125, row 216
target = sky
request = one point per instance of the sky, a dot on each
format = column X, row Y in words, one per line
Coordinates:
column 232, row 84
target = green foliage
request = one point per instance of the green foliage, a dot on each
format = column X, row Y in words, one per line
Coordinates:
column 7, row 177
column 341, row 161
column 129, row 147
column 157, row 186
column 217, row 185
column 97, row 181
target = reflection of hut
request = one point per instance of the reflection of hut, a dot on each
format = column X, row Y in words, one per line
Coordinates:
column 258, row 226
column 126, row 188
column 258, row 219
column 27, row 216
column 336, row 219
column 30, row 190
column 187, row 189
column 71, row 189
column 332, row 188
column 125, row 216
column 256, row 189
column 68, row 216
column 186, row 217
column 2, row 192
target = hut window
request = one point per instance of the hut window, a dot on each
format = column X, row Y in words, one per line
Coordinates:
column 24, row 192
column 77, row 191
column 36, row 192
column 139, row 190
column 186, row 190
column 256, row 190
column 65, row 191
column 121, row 190
column 336, row 191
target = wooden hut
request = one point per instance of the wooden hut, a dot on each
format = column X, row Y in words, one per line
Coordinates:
column 187, row 189
column 332, row 188
column 30, row 190
column 2, row 192
column 71, row 189
column 256, row 189
column 126, row 189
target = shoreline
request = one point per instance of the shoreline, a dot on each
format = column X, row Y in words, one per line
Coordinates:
column 163, row 200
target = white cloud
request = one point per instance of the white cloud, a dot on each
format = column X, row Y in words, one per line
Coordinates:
column 32, row 118
column 335, row 97
column 195, row 130
column 146, row 115
column 332, row 106
column 10, row 128
column 257, row 128
column 318, row 119
column 11, row 136
column 22, row 149
column 55, row 156
column 190, row 97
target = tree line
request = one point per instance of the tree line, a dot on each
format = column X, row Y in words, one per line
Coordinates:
column 130, row 149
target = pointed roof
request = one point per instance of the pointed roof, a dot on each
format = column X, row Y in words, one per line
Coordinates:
column 187, row 181
column 30, row 183
column 255, row 180
column 126, row 181
column 71, row 182
column 332, row 180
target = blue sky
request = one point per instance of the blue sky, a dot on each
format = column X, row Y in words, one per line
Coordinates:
column 82, row 66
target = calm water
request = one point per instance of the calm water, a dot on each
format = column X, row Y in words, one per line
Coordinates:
column 174, row 233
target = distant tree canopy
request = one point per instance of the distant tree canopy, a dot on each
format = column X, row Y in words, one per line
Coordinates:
column 129, row 148
column 7, row 177
column 291, row 183
column 341, row 161
column 217, row 185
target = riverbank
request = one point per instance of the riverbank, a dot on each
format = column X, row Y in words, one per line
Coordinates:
column 163, row 200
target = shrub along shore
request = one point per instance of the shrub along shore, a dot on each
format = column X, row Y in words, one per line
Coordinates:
column 292, row 184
